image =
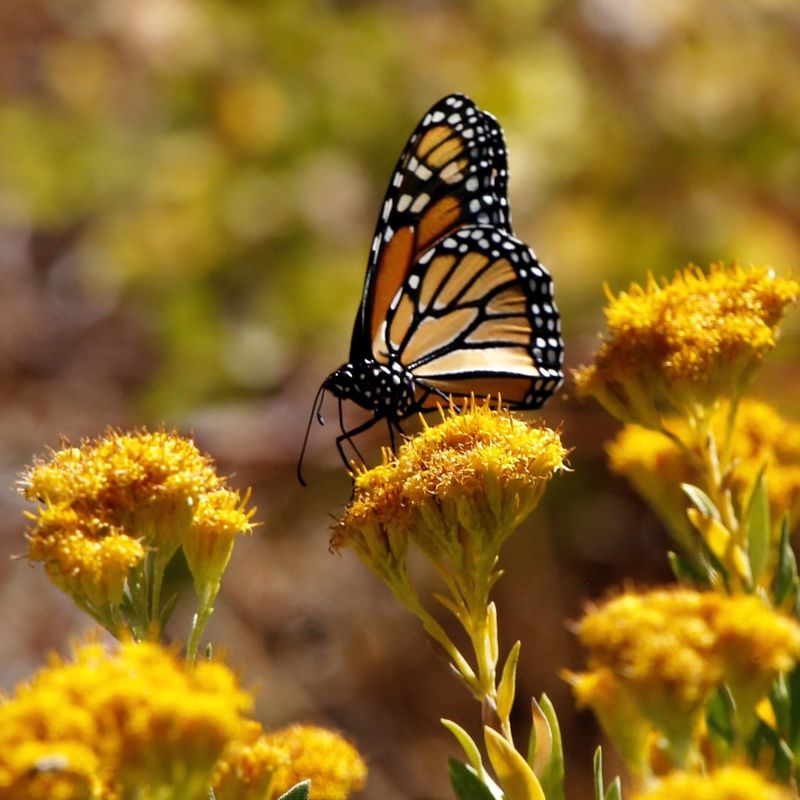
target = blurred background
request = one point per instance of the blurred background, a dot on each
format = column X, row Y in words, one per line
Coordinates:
column 187, row 194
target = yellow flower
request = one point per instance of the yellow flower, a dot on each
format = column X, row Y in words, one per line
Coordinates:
column 34, row 770
column 669, row 648
column 331, row 762
column 728, row 783
column 618, row 715
column 457, row 489
column 85, row 557
column 219, row 518
column 112, row 514
column 673, row 346
column 760, row 438
column 247, row 766
column 151, row 726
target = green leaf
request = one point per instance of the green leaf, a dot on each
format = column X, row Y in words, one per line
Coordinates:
column 167, row 609
column 552, row 778
column 598, row 774
column 297, row 792
column 466, row 784
column 467, row 744
column 614, row 791
column 782, row 758
column 793, row 685
column 507, row 686
column 720, row 715
column 758, row 527
column 701, row 501
column 686, row 573
column 785, row 586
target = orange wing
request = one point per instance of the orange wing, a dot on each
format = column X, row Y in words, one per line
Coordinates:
column 452, row 173
column 476, row 315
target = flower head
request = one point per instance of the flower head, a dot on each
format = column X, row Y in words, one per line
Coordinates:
column 219, row 518
column 330, row 761
column 247, row 767
column 135, row 720
column 687, row 342
column 457, row 489
column 669, row 648
column 728, row 783
column 113, row 512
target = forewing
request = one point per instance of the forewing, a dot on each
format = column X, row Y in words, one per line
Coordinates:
column 452, row 172
column 476, row 314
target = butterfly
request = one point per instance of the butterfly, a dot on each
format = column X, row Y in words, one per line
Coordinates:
column 453, row 304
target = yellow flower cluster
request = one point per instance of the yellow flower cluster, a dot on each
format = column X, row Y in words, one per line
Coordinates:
column 107, row 504
column 667, row 649
column 728, row 783
column 656, row 465
column 686, row 342
column 133, row 724
column 261, row 765
column 457, row 489
column 331, row 762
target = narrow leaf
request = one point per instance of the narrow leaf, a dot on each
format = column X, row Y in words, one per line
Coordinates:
column 686, row 573
column 598, row 774
column 508, row 683
column 467, row 745
column 540, row 747
column 514, row 775
column 758, row 527
column 614, row 791
column 167, row 609
column 786, row 580
column 701, row 501
column 552, row 779
column 297, row 792
column 466, row 784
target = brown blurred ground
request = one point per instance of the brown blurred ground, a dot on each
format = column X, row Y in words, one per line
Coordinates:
column 187, row 193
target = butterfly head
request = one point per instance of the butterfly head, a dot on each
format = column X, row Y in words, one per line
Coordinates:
column 387, row 390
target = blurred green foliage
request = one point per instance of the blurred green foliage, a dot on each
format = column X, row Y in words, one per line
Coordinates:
column 220, row 163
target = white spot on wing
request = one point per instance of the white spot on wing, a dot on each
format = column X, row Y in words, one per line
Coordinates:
column 420, row 203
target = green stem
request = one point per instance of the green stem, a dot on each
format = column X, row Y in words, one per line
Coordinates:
column 199, row 621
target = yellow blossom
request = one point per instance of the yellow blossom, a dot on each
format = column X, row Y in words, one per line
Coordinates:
column 728, row 783
column 676, row 345
column 669, row 648
column 247, row 766
column 330, row 761
column 151, row 727
column 219, row 518
column 112, row 513
column 618, row 715
column 457, row 489
column 760, row 439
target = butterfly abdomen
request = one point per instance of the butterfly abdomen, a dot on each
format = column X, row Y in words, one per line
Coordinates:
column 388, row 390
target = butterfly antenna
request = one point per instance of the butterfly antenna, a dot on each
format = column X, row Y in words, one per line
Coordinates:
column 316, row 410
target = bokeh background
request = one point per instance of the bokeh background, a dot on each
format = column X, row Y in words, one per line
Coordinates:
column 187, row 194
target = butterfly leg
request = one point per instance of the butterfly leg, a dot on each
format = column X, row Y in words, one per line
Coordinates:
column 348, row 436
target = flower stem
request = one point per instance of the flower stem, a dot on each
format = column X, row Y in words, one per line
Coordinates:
column 199, row 621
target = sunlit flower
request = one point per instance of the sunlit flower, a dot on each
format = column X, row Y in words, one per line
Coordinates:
column 247, row 766
column 670, row 648
column 728, row 783
column 330, row 761
column 112, row 513
column 760, row 439
column 150, row 725
column 219, row 518
column 617, row 713
column 85, row 557
column 675, row 345
column 35, row 770
column 457, row 489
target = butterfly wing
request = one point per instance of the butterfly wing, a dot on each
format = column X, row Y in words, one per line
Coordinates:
column 452, row 172
column 476, row 315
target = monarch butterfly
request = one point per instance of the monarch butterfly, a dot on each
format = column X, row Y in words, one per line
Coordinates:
column 453, row 303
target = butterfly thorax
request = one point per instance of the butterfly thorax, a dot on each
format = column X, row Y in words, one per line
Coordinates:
column 388, row 390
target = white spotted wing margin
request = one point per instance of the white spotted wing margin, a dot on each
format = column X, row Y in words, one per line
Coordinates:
column 456, row 153
column 476, row 314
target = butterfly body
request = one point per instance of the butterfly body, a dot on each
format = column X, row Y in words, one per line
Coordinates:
column 453, row 303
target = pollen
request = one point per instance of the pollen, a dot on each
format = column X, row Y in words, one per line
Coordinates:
column 727, row 783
